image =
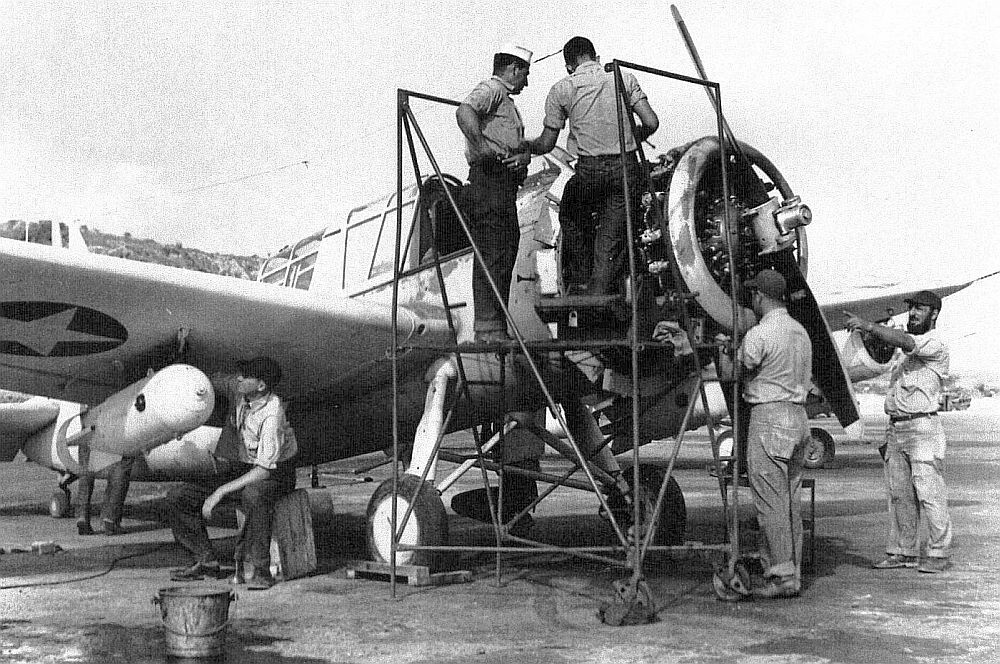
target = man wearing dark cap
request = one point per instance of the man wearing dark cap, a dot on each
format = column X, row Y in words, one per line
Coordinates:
column 254, row 462
column 498, row 164
column 777, row 355
column 915, row 444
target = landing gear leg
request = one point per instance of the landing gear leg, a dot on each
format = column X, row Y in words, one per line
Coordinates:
column 416, row 507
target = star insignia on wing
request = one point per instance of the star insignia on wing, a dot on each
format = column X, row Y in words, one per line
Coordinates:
column 39, row 328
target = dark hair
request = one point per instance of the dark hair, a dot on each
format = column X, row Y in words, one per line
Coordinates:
column 263, row 368
column 501, row 60
column 577, row 48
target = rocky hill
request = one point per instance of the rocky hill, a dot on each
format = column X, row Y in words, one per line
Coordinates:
column 148, row 251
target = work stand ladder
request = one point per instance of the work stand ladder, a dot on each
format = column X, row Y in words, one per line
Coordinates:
column 633, row 600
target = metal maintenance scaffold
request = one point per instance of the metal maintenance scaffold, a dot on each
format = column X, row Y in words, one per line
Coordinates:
column 636, row 534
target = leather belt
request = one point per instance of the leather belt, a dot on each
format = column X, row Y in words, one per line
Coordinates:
column 607, row 157
column 907, row 418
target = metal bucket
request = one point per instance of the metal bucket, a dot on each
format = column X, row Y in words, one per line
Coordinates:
column 195, row 619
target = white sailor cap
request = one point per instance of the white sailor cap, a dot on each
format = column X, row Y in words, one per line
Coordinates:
column 516, row 51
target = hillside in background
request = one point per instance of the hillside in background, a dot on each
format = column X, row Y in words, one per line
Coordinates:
column 150, row 251
column 147, row 251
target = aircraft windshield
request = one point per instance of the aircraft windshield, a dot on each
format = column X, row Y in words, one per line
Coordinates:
column 293, row 266
column 362, row 250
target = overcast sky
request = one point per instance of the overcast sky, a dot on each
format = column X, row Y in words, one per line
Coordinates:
column 189, row 122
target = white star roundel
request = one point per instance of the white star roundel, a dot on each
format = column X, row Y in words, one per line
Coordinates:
column 56, row 329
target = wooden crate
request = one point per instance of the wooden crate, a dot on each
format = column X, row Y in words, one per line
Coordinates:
column 293, row 549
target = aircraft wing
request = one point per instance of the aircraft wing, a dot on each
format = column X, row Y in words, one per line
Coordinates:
column 79, row 327
column 20, row 420
column 879, row 307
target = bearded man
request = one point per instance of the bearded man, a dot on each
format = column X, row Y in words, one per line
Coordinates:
column 915, row 443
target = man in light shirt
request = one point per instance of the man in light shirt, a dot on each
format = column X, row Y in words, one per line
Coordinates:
column 777, row 354
column 255, row 458
column 586, row 99
column 915, row 444
column 498, row 164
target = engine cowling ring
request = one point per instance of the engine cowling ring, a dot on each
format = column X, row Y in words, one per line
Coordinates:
column 683, row 225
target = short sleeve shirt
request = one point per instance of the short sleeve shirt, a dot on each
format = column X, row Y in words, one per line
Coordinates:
column 915, row 382
column 778, row 354
column 266, row 435
column 586, row 98
column 256, row 432
column 499, row 120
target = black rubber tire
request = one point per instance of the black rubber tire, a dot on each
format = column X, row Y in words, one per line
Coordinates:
column 673, row 517
column 59, row 505
column 427, row 525
column 820, row 449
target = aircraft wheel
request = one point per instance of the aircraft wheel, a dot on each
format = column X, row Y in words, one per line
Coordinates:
column 427, row 525
column 59, row 505
column 820, row 449
column 673, row 517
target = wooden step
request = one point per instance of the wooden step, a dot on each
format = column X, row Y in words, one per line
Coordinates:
column 567, row 303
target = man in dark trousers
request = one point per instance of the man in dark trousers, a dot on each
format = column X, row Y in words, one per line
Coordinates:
column 498, row 164
column 586, row 99
column 915, row 443
column 255, row 460
column 113, row 506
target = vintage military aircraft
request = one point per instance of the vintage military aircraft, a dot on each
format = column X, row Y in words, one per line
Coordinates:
column 135, row 341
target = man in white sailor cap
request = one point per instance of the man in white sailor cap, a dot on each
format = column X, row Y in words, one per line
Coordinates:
column 494, row 135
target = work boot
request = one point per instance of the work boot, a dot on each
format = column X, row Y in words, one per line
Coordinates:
column 200, row 571
column 491, row 336
column 83, row 528
column 895, row 561
column 933, row 565
column 777, row 588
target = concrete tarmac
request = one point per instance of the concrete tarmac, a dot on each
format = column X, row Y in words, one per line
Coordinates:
column 91, row 602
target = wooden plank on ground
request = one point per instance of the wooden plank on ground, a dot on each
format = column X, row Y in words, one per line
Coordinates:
column 412, row 575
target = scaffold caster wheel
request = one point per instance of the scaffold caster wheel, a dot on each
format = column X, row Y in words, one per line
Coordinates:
column 731, row 587
column 632, row 605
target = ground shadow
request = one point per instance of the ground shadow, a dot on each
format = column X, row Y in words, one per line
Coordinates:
column 245, row 641
column 857, row 647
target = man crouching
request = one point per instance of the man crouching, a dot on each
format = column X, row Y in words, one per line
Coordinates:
column 255, row 462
